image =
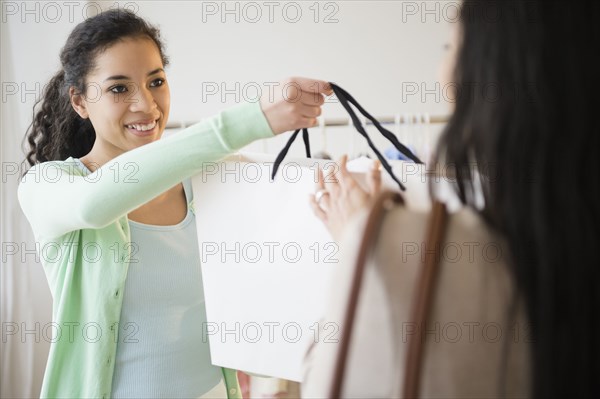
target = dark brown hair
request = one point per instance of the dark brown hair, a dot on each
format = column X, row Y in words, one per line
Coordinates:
column 535, row 144
column 57, row 131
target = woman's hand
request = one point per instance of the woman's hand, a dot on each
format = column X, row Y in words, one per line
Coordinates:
column 339, row 196
column 294, row 104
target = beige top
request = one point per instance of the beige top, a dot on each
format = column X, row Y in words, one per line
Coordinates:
column 469, row 328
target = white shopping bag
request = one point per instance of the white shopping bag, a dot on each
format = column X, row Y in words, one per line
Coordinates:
column 267, row 260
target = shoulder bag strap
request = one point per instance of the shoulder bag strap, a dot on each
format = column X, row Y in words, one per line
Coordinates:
column 423, row 294
column 386, row 200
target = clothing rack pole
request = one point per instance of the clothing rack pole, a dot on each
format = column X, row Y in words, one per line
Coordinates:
column 433, row 119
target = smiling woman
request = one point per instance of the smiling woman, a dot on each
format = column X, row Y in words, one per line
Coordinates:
column 131, row 110
column 133, row 105
column 102, row 116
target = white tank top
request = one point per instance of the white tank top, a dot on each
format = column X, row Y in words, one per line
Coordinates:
column 161, row 352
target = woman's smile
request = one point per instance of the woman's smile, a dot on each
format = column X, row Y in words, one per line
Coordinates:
column 144, row 128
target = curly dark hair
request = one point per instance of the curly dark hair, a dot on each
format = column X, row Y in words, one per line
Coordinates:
column 57, row 131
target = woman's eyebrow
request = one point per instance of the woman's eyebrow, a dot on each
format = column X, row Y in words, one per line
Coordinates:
column 123, row 77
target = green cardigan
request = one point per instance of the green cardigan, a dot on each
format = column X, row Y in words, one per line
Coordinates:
column 82, row 234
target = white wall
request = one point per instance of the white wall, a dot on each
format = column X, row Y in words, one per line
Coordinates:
column 374, row 49
column 369, row 51
column 380, row 51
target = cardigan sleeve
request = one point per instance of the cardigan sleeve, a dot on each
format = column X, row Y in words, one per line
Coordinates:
column 57, row 201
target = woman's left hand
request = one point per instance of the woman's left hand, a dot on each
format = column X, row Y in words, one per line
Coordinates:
column 339, row 196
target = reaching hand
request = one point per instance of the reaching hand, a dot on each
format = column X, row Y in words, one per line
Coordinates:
column 339, row 196
column 296, row 104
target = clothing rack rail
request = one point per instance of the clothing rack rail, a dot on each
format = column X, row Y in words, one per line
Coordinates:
column 403, row 119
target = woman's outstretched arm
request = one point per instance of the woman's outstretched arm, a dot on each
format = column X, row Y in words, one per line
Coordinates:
column 55, row 200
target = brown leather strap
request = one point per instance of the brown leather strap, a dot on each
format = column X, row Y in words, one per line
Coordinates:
column 423, row 296
column 422, row 300
column 385, row 200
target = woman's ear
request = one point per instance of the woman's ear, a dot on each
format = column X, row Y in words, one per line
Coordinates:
column 78, row 103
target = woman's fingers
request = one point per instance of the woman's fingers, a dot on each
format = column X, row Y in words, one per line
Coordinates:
column 375, row 178
column 323, row 204
column 312, row 85
column 325, row 197
column 305, row 91
column 309, row 111
column 332, row 179
column 317, row 210
column 296, row 104
column 346, row 180
column 306, row 123
column 311, row 99
column 320, row 179
column 344, row 196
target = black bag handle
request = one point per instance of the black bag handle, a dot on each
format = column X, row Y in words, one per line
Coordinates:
column 285, row 149
column 346, row 99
